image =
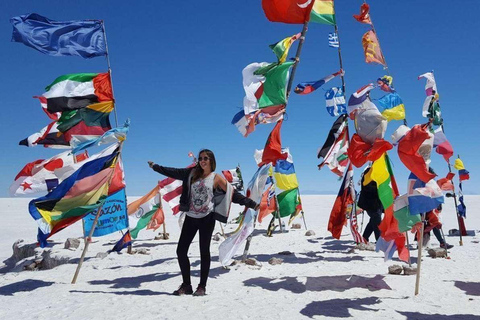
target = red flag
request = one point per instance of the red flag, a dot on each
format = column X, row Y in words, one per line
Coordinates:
column 408, row 152
column 338, row 216
column 288, row 11
column 268, row 204
column 273, row 148
column 371, row 47
column 364, row 16
column 360, row 151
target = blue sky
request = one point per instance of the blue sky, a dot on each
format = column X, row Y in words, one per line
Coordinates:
column 177, row 75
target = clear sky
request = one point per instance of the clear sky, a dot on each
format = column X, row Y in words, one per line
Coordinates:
column 177, row 75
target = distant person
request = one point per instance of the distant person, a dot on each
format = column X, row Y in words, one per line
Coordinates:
column 205, row 198
column 370, row 202
column 432, row 223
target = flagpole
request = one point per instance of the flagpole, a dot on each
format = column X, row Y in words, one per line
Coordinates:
column 110, row 72
column 297, row 58
column 419, row 258
column 339, row 54
column 278, row 206
column 379, row 46
column 94, row 224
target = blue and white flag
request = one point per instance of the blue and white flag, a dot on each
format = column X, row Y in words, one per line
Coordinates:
column 333, row 40
column 335, row 100
column 83, row 38
column 112, row 135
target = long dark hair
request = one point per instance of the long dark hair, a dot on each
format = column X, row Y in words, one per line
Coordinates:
column 198, row 171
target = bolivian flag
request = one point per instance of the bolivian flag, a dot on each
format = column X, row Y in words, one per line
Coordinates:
column 84, row 191
column 323, row 12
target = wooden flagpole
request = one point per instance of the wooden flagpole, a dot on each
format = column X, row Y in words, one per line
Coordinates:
column 110, row 72
column 419, row 258
column 297, row 58
column 79, row 266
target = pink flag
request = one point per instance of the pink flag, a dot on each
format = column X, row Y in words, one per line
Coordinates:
column 371, row 47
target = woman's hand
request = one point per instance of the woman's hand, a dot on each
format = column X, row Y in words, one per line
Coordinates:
column 150, row 164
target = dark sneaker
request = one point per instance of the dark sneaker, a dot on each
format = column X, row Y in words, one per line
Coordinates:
column 183, row 289
column 446, row 245
column 201, row 291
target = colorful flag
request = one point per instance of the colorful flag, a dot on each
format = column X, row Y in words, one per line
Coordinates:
column 310, row 86
column 405, row 220
column 335, row 101
column 268, row 204
column 338, row 215
column 408, row 152
column 361, row 99
column 45, row 175
column 446, row 183
column 423, row 197
column 246, row 123
column 442, row 145
column 385, row 83
column 125, row 241
column 461, row 207
column 273, row 147
column 171, row 190
column 43, row 103
column 371, row 48
column 234, row 177
column 256, row 186
column 335, row 149
column 146, row 212
column 282, row 47
column 393, row 107
column 333, row 40
column 463, row 173
column 83, row 38
column 112, row 135
column 323, row 12
column 287, row 11
column 364, row 16
column 357, row 237
column 76, row 91
column 431, row 85
column 284, row 174
column 265, row 85
column 49, row 137
column 79, row 194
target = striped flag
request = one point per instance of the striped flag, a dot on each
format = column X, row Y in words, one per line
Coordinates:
column 333, row 40
column 171, row 190
column 338, row 215
column 49, row 137
column 310, row 86
column 335, row 149
column 357, row 237
column 335, row 101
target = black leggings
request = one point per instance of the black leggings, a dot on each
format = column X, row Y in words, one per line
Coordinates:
column 372, row 226
column 205, row 227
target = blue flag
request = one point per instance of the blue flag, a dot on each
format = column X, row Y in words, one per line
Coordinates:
column 60, row 38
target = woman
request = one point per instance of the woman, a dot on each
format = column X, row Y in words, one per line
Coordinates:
column 206, row 197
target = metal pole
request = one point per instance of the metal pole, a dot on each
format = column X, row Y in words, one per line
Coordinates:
column 79, row 266
column 110, row 72
column 278, row 207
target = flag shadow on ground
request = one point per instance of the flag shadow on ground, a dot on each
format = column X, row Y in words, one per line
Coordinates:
column 470, row 288
column 338, row 245
column 127, row 293
column 322, row 283
column 23, row 286
column 135, row 282
column 317, row 255
column 153, row 263
column 338, row 308
column 421, row 316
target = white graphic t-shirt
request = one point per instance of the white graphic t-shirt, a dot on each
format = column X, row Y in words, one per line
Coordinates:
column 201, row 196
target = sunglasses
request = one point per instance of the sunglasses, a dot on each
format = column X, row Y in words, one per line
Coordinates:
column 203, row 158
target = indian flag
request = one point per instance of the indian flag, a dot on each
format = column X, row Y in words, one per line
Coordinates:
column 77, row 91
column 146, row 212
column 323, row 11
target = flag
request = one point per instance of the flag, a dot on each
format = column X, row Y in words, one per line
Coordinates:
column 246, row 123
column 446, row 183
column 43, row 103
column 335, row 101
column 112, row 135
column 393, row 107
column 323, row 12
column 359, row 151
column 282, row 47
column 83, row 38
column 229, row 247
column 385, row 83
column 234, row 177
column 423, row 197
column 361, row 99
column 442, row 145
column 400, row 211
column 371, row 48
column 335, row 149
column 125, row 241
column 76, row 91
column 310, row 86
column 171, row 191
column 79, row 194
column 430, row 105
column 338, row 215
column 461, row 207
column 388, row 248
column 357, row 237
column 49, row 137
column 408, row 152
column 364, row 16
column 268, row 203
column 333, row 40
column 265, row 85
column 431, row 85
column 284, row 174
column 463, row 173
column 287, row 11
column 95, row 115
column 273, row 147
column 45, row 175
column 288, row 202
column 146, row 212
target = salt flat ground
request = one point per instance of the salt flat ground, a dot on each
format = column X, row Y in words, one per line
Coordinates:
column 321, row 279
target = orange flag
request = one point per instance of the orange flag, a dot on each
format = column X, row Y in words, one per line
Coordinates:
column 273, row 147
column 364, row 16
column 371, row 47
